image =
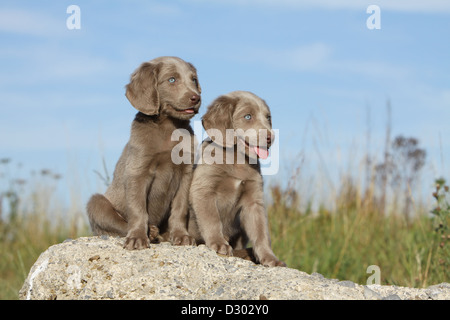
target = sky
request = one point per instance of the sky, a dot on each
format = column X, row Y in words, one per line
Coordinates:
column 326, row 76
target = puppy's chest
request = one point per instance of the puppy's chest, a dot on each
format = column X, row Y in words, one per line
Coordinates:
column 161, row 137
column 242, row 181
column 178, row 142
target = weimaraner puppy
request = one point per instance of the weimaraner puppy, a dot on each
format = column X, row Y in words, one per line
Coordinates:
column 149, row 192
column 226, row 195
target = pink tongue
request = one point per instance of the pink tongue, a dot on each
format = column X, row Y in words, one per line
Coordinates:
column 189, row 110
column 261, row 152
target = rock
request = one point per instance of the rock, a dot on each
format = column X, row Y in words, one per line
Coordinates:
column 370, row 294
column 99, row 268
column 347, row 283
column 392, row 297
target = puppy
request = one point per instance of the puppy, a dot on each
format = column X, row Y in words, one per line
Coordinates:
column 226, row 195
column 149, row 193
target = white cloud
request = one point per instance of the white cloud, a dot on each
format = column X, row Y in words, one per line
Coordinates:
column 308, row 57
column 420, row 6
column 445, row 95
column 19, row 21
column 39, row 63
column 430, row 6
column 318, row 58
column 164, row 9
column 376, row 69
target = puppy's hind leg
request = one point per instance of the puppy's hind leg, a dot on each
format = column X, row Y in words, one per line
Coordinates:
column 104, row 219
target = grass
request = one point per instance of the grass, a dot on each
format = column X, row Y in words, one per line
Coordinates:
column 32, row 222
column 21, row 243
column 342, row 244
column 340, row 237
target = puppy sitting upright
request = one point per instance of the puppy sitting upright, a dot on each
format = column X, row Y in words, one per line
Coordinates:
column 148, row 190
column 227, row 188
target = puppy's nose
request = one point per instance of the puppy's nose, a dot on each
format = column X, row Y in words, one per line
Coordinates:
column 195, row 99
column 269, row 138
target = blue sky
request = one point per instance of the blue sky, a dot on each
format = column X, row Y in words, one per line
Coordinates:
column 321, row 70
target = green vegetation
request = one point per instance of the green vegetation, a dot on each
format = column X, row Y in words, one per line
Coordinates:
column 30, row 223
column 412, row 252
column 378, row 224
column 370, row 218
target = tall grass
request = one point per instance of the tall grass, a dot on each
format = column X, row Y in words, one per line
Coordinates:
column 339, row 235
column 31, row 219
column 344, row 242
column 374, row 215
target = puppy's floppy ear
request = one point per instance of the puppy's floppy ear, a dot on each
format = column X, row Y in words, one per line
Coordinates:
column 218, row 119
column 195, row 71
column 142, row 91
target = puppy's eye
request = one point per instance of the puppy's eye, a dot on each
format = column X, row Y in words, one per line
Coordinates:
column 269, row 117
column 172, row 80
column 247, row 116
column 195, row 81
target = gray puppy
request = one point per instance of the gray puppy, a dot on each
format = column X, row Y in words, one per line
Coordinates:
column 226, row 196
column 148, row 190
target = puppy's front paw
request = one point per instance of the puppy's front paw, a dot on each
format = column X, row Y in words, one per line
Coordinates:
column 181, row 239
column 222, row 248
column 136, row 240
column 272, row 262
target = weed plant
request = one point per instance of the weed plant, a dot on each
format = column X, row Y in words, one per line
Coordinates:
column 31, row 220
column 410, row 251
column 339, row 235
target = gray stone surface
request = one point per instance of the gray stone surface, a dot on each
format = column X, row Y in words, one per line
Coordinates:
column 98, row 268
